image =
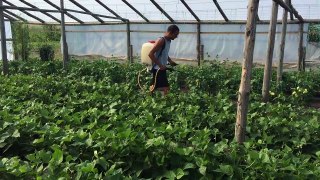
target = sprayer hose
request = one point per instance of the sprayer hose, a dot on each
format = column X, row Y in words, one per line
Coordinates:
column 155, row 80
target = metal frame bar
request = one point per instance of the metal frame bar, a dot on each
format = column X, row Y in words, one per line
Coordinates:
column 291, row 14
column 186, row 22
column 190, row 10
column 5, row 64
column 220, row 10
column 45, row 13
column 110, row 10
column 86, row 10
column 14, row 15
column 63, row 36
column 27, row 13
column 66, row 13
column 135, row 10
column 162, row 11
column 94, row 14
column 290, row 9
column 58, row 11
column 9, row 17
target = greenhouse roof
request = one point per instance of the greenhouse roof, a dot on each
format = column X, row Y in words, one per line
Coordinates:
column 103, row 11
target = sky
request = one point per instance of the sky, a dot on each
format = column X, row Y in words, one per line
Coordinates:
column 204, row 9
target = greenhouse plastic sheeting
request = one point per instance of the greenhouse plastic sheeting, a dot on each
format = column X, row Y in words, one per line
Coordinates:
column 220, row 41
column 313, row 51
column 9, row 41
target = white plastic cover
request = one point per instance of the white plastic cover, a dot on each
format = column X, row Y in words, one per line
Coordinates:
column 9, row 41
column 220, row 41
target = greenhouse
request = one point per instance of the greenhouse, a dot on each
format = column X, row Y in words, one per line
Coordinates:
column 241, row 98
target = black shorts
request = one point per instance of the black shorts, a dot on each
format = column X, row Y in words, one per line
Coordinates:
column 162, row 80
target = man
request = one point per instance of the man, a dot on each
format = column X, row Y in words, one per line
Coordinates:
column 159, row 55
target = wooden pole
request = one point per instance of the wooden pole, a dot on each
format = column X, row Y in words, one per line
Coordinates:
column 300, row 50
column 3, row 43
column 270, row 48
column 128, row 42
column 244, row 90
column 304, row 51
column 198, row 43
column 291, row 14
column 63, row 35
column 131, row 53
column 202, row 52
column 282, row 44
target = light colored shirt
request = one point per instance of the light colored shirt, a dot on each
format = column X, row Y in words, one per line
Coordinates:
column 163, row 57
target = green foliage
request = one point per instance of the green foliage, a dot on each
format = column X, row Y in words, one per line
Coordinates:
column 314, row 33
column 92, row 122
column 21, row 40
column 46, row 53
column 52, row 32
column 29, row 39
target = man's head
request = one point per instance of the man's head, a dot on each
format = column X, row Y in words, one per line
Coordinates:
column 172, row 32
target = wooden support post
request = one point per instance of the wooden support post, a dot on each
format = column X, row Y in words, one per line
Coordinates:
column 131, row 53
column 128, row 42
column 270, row 48
column 202, row 52
column 291, row 14
column 244, row 90
column 300, row 50
column 198, row 42
column 63, row 35
column 304, row 51
column 3, row 43
column 282, row 44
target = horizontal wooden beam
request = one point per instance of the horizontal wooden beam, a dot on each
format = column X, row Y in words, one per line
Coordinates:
column 185, row 22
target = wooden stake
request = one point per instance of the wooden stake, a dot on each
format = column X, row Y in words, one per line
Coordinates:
column 282, row 44
column 128, row 42
column 198, row 43
column 244, row 90
column 300, row 50
column 3, row 43
column 270, row 48
column 131, row 53
column 202, row 52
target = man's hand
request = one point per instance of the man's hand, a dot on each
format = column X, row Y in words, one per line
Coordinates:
column 162, row 67
column 172, row 63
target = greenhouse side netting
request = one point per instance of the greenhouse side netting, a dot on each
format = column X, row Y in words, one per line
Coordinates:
column 10, row 54
column 220, row 41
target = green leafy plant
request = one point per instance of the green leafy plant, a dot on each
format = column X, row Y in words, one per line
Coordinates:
column 92, row 122
column 21, row 40
column 46, row 53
